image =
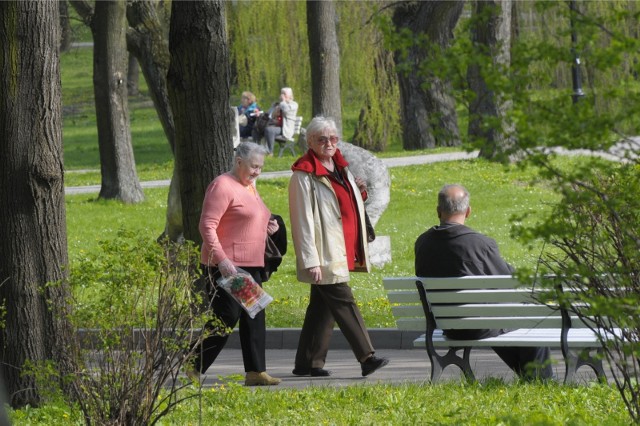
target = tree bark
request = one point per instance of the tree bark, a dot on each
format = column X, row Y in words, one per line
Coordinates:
column 491, row 35
column 428, row 109
column 33, row 248
column 65, row 26
column 133, row 76
column 324, row 55
column 119, row 177
column 199, row 92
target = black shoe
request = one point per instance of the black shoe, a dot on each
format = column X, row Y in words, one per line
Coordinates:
column 372, row 364
column 313, row 372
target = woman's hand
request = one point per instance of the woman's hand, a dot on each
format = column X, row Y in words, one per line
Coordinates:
column 272, row 226
column 361, row 184
column 227, row 268
column 316, row 274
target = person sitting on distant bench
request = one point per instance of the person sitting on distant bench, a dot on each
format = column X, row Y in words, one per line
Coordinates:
column 452, row 249
column 283, row 117
column 248, row 110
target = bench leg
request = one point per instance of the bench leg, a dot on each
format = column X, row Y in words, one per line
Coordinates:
column 573, row 362
column 440, row 362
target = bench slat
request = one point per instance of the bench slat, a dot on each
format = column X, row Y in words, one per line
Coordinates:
column 474, row 323
column 405, row 283
column 411, row 324
column 580, row 338
column 408, row 311
column 403, row 297
column 471, row 282
column 493, row 310
column 482, row 296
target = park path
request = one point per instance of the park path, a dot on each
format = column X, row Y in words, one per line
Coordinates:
column 389, row 162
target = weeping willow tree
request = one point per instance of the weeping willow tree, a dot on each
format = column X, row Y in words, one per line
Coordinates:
column 369, row 81
column 269, row 50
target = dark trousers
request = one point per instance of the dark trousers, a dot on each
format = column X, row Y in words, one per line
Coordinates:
column 526, row 362
column 329, row 304
column 252, row 331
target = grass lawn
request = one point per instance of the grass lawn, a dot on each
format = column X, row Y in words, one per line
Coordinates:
column 496, row 194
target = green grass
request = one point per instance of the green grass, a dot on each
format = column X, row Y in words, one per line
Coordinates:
column 410, row 212
column 489, row 403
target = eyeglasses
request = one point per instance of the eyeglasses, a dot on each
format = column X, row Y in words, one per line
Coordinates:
column 324, row 139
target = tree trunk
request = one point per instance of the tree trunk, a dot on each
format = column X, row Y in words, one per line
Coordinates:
column 133, row 76
column 428, row 109
column 146, row 39
column 33, row 247
column 119, row 177
column 324, row 55
column 492, row 36
column 65, row 26
column 198, row 82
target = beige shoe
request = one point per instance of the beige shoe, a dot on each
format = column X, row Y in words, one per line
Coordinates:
column 260, row 379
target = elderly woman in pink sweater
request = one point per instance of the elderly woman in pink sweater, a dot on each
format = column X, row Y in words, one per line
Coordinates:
column 234, row 225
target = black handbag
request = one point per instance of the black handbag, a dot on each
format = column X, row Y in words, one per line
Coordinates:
column 275, row 248
column 371, row 233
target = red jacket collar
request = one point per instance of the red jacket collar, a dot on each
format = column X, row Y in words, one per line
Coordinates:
column 310, row 163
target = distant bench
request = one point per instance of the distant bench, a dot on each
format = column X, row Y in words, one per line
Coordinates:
column 488, row 302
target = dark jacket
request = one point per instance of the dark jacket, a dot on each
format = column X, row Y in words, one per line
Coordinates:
column 453, row 250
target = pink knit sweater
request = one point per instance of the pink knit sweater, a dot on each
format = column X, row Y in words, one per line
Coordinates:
column 233, row 224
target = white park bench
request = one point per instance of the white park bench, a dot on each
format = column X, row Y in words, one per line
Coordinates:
column 489, row 302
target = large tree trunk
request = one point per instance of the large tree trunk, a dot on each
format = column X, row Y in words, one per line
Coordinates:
column 491, row 34
column 428, row 109
column 324, row 55
column 119, row 177
column 146, row 39
column 198, row 83
column 33, row 247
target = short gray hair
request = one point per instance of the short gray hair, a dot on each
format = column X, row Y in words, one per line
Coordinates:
column 245, row 150
column 450, row 202
column 288, row 91
column 319, row 124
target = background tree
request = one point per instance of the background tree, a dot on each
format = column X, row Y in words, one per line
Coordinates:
column 428, row 108
column 108, row 27
column 324, row 55
column 33, row 247
column 148, row 41
column 110, row 58
column 491, row 36
column 198, row 82
column 65, row 26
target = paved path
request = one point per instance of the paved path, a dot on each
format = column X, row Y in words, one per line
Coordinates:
column 390, row 162
column 405, row 366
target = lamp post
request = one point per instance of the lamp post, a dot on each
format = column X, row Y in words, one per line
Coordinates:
column 576, row 78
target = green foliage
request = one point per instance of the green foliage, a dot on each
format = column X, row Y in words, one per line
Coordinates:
column 453, row 403
column 138, row 323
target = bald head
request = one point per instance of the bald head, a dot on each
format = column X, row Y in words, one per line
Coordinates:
column 453, row 204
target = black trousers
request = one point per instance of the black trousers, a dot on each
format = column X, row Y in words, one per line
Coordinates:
column 329, row 304
column 526, row 362
column 252, row 331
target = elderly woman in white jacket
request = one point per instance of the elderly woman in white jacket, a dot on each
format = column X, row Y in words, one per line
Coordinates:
column 330, row 240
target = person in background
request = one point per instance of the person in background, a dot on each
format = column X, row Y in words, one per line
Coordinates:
column 234, row 225
column 283, row 117
column 250, row 110
column 452, row 249
column 328, row 229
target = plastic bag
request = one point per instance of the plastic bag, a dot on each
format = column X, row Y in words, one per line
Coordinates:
column 243, row 288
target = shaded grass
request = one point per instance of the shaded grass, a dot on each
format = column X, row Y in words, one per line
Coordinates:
column 497, row 194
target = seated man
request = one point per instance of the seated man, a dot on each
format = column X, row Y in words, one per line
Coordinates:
column 451, row 249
